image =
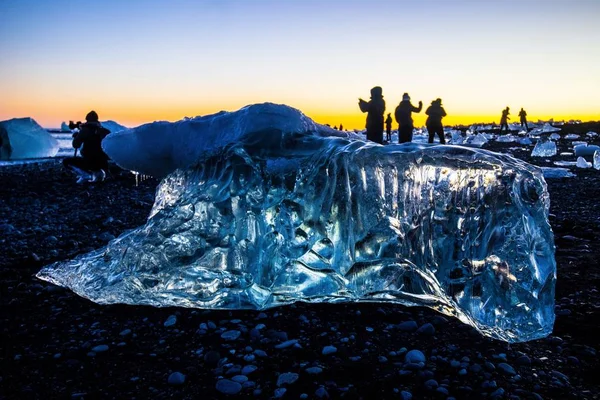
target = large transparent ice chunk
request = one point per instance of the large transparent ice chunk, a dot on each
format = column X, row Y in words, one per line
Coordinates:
column 24, row 138
column 319, row 219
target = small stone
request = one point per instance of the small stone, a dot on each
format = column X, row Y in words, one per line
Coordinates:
column 172, row 320
column 125, row 332
column 408, row 326
column 431, row 384
column 406, row 395
column 314, row 370
column 231, row 335
column 100, row 348
column 287, row 378
column 426, row 329
column 279, row 392
column 227, row 386
column 286, row 344
column 328, row 350
column 248, row 369
column 176, row 378
column 240, row 378
column 506, row 368
column 414, row 356
column 322, row 393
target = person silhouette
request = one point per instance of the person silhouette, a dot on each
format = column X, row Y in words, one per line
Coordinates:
column 504, row 119
column 341, row 127
column 375, row 110
column 434, row 125
column 92, row 166
column 388, row 127
column 403, row 116
column 523, row 116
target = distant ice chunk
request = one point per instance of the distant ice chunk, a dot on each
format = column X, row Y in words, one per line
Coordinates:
column 525, row 141
column 582, row 163
column 585, row 150
column 24, row 138
column 596, row 159
column 562, row 163
column 506, row 138
column 64, row 127
column 556, row 173
column 302, row 217
column 555, row 136
column 547, row 128
column 591, row 134
column 544, row 148
column 456, row 137
column 572, row 136
column 113, row 126
column 477, row 140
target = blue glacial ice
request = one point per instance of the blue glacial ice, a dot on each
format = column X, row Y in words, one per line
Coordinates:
column 22, row 138
column 283, row 212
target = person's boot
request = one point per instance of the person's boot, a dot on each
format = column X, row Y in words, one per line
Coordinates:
column 98, row 176
column 82, row 176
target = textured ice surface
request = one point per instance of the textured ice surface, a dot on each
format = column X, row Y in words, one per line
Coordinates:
column 525, row 141
column 24, row 138
column 544, row 148
column 307, row 218
column 547, row 128
column 596, row 159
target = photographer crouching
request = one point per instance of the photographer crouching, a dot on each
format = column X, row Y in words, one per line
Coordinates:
column 92, row 166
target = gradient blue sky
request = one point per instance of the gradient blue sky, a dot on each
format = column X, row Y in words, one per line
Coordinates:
column 136, row 61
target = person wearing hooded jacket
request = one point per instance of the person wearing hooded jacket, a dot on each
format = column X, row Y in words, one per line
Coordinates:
column 435, row 112
column 403, row 116
column 375, row 110
column 93, row 163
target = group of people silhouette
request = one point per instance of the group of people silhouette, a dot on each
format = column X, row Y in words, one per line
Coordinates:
column 375, row 109
column 505, row 117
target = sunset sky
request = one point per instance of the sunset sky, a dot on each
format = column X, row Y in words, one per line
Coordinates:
column 136, row 61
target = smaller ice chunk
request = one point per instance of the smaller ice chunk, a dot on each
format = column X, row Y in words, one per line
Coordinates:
column 571, row 136
column 477, row 140
column 555, row 136
column 591, row 134
column 581, row 163
column 555, row 173
column 525, row 141
column 24, row 138
column 549, row 128
column 64, row 127
column 563, row 163
column 506, row 138
column 596, row 159
column 544, row 149
column 585, row 150
column 456, row 137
